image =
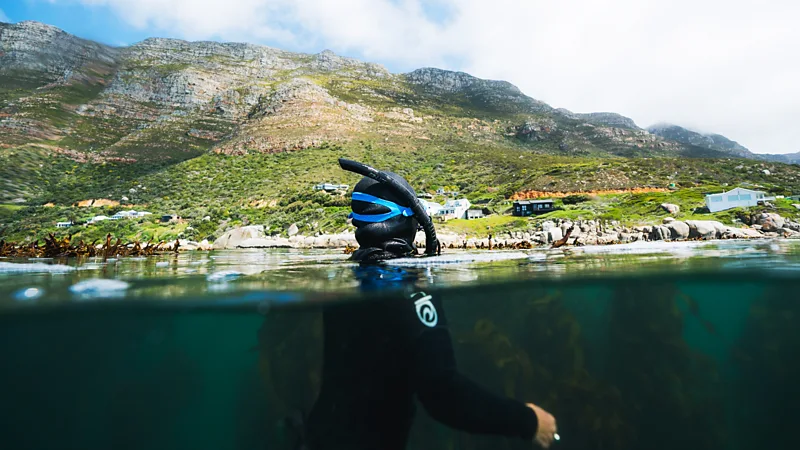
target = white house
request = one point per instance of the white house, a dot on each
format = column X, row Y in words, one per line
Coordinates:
column 431, row 208
column 452, row 209
column 455, row 209
column 63, row 224
column 735, row 198
column 330, row 187
column 97, row 219
column 129, row 214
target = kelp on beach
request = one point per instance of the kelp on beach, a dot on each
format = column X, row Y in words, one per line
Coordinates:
column 55, row 247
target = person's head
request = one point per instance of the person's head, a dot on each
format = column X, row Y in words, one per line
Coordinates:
column 385, row 224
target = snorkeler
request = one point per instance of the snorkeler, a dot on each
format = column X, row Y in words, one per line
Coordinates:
column 379, row 355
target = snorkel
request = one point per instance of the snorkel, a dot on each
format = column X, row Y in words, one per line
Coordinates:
column 432, row 245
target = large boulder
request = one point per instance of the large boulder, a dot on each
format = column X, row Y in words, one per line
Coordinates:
column 705, row 229
column 660, row 233
column 608, row 238
column 566, row 226
column 554, row 234
column 293, row 230
column 679, row 230
column 232, row 238
column 269, row 242
column 770, row 221
column 740, row 233
column 796, row 205
column 546, row 226
column 671, row 208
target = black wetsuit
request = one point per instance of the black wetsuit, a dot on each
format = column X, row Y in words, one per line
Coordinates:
column 382, row 353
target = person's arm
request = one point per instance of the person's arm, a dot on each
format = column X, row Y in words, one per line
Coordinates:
column 449, row 396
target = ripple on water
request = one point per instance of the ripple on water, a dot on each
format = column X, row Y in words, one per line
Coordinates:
column 456, row 258
column 223, row 276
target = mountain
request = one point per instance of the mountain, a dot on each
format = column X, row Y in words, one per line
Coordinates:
column 601, row 118
column 717, row 142
column 788, row 158
column 223, row 129
column 705, row 141
column 166, row 99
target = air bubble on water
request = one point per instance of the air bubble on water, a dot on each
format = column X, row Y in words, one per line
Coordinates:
column 99, row 288
column 28, row 294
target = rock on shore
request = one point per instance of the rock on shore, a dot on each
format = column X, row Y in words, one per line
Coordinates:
column 587, row 232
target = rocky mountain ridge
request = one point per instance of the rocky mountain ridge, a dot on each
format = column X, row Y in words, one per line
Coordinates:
column 717, row 142
column 163, row 96
column 787, row 158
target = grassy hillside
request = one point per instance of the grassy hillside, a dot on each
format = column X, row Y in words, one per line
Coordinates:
column 275, row 190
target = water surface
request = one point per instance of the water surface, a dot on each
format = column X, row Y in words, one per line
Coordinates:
column 657, row 346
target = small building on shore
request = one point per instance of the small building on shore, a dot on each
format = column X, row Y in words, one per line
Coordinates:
column 331, row 187
column 63, row 224
column 130, row 215
column 475, row 214
column 525, row 208
column 432, row 208
column 454, row 209
column 735, row 198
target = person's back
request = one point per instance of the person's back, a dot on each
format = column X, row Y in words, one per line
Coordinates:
column 366, row 397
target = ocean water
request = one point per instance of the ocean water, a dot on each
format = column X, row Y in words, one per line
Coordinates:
column 665, row 346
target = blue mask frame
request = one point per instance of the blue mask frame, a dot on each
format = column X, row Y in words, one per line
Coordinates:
column 394, row 208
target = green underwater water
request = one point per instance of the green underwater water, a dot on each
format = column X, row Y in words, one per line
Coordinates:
column 665, row 359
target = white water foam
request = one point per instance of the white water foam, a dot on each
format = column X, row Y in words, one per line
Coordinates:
column 457, row 258
column 7, row 267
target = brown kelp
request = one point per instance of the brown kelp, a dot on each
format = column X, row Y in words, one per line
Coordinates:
column 671, row 393
column 55, row 247
column 769, row 369
column 531, row 347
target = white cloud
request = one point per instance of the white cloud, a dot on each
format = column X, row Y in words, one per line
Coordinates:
column 724, row 66
column 4, row 17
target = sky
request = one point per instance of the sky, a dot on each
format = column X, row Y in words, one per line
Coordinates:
column 716, row 66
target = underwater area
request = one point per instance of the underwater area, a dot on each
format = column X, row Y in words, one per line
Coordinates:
column 690, row 345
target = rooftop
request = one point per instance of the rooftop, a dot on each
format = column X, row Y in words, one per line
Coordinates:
column 528, row 202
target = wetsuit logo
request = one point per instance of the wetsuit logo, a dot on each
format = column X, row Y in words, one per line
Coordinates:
column 425, row 310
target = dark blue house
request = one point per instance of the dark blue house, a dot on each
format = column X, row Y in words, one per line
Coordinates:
column 531, row 207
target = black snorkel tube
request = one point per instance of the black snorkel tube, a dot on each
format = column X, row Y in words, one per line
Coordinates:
column 432, row 245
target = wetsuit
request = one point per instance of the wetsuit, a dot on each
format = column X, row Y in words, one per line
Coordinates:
column 378, row 356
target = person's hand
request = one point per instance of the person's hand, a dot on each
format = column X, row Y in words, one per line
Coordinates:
column 547, row 426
